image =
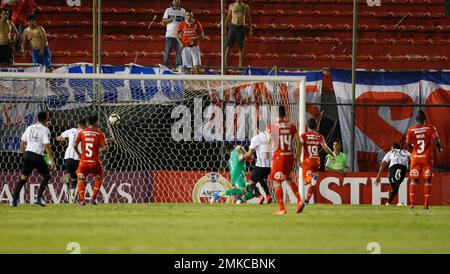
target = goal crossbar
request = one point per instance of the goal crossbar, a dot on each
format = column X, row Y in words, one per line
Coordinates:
column 168, row 77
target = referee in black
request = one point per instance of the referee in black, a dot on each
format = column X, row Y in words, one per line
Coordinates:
column 34, row 141
column 397, row 159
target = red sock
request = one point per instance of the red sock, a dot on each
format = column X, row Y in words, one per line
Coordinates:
column 294, row 188
column 81, row 188
column 310, row 193
column 97, row 185
column 279, row 196
column 427, row 190
column 412, row 193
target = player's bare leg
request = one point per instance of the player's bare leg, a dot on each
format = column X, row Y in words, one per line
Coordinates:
column 279, row 197
column 81, row 189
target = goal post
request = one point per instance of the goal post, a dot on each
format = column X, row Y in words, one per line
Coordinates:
column 169, row 143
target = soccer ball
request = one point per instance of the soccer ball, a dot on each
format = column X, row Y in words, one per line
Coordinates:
column 114, row 119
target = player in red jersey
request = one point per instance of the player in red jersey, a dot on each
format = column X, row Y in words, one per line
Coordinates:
column 282, row 133
column 311, row 141
column 92, row 143
column 421, row 138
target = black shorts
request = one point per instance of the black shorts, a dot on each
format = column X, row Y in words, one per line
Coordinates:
column 71, row 167
column 260, row 174
column 34, row 161
column 6, row 54
column 397, row 174
column 236, row 35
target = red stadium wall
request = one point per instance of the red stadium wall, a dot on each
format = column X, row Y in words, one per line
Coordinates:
column 178, row 186
column 356, row 188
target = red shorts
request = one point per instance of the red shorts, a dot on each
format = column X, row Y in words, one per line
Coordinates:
column 420, row 168
column 85, row 169
column 310, row 166
column 281, row 168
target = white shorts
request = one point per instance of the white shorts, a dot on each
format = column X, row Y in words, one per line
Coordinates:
column 191, row 57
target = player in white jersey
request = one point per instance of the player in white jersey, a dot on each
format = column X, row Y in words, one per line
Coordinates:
column 398, row 160
column 71, row 159
column 260, row 144
column 35, row 140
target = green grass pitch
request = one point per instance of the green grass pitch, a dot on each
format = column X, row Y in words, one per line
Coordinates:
column 222, row 228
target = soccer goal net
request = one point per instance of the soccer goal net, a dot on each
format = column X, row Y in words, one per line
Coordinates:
column 169, row 139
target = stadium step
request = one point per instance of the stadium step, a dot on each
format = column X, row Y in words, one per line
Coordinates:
column 286, row 60
column 298, row 45
column 325, row 27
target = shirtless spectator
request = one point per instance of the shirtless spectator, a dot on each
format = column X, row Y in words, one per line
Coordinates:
column 8, row 36
column 237, row 15
column 35, row 35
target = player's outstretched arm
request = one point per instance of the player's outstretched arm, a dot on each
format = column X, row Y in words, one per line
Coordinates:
column 103, row 148
column 60, row 138
column 242, row 152
column 228, row 20
column 24, row 43
column 250, row 23
column 23, row 145
column 437, row 143
column 75, row 146
column 327, row 149
column 51, row 162
column 249, row 153
column 382, row 167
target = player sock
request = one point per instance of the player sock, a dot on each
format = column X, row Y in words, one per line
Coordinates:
column 294, row 188
column 81, row 188
column 412, row 193
column 394, row 192
column 427, row 190
column 43, row 185
column 73, row 183
column 265, row 187
column 310, row 193
column 18, row 188
column 279, row 196
column 66, row 180
column 97, row 186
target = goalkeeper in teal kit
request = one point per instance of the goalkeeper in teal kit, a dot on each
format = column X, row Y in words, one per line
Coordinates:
column 237, row 168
